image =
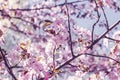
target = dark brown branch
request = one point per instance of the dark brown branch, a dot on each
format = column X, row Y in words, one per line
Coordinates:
column 47, row 6
column 16, row 65
column 98, row 18
column 103, row 35
column 102, row 57
column 9, row 69
column 107, row 24
column 112, row 39
column 16, row 30
column 19, row 18
column 67, row 62
column 70, row 60
column 69, row 29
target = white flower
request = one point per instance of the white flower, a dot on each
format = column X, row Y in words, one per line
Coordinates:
column 105, row 42
column 116, row 35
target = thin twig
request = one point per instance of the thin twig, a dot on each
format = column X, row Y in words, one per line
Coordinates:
column 69, row 30
column 16, row 29
column 98, row 18
column 19, row 18
column 112, row 39
column 107, row 24
column 102, row 57
column 62, row 4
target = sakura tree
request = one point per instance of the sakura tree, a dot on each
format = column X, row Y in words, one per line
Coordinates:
column 59, row 40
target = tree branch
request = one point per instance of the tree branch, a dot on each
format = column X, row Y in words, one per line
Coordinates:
column 67, row 62
column 107, row 24
column 112, row 39
column 62, row 4
column 69, row 29
column 19, row 18
column 103, row 35
column 102, row 57
column 98, row 18
column 9, row 69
